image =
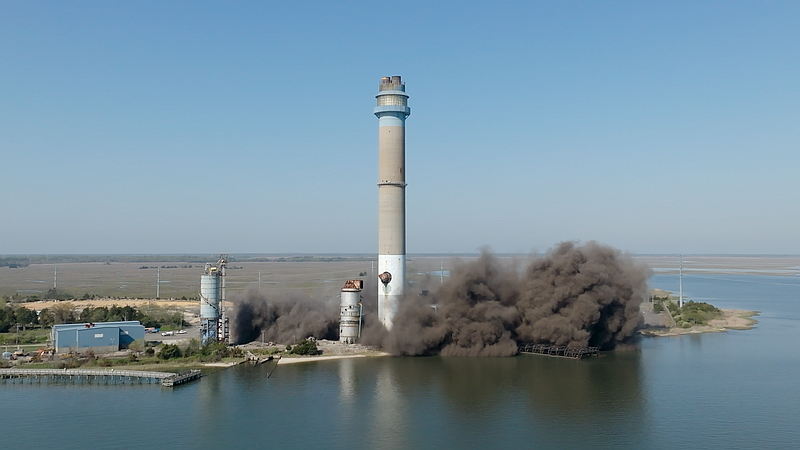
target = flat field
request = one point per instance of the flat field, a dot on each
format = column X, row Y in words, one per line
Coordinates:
column 319, row 279
column 130, row 280
column 133, row 281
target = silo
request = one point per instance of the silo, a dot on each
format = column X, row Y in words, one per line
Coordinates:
column 350, row 312
column 209, row 305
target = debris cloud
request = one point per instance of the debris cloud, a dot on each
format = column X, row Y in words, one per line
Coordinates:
column 284, row 318
column 575, row 296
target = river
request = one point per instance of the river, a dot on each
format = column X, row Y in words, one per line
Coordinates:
column 737, row 389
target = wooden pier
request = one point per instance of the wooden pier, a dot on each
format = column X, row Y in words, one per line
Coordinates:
column 106, row 376
column 558, row 350
column 180, row 378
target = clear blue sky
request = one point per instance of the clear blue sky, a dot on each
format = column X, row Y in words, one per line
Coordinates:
column 247, row 127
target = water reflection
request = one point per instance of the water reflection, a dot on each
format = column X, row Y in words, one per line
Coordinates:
column 389, row 415
column 560, row 388
column 422, row 400
column 347, row 381
column 583, row 390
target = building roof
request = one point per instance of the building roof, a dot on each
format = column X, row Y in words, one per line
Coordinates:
column 74, row 326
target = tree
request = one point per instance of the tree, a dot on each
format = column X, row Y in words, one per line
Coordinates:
column 45, row 318
column 305, row 347
column 98, row 314
column 137, row 345
column 63, row 313
column 55, row 294
column 7, row 319
column 25, row 316
column 192, row 348
column 169, row 351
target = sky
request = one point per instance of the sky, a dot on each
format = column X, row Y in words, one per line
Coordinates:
column 248, row 127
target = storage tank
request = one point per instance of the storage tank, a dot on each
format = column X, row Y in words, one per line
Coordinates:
column 350, row 312
column 209, row 305
column 209, row 296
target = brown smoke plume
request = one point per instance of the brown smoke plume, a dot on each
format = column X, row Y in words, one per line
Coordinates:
column 582, row 296
column 574, row 296
column 285, row 318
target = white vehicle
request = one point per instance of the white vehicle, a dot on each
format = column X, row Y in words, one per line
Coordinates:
column 168, row 333
column 181, row 332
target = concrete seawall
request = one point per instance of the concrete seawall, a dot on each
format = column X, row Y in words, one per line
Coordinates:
column 110, row 376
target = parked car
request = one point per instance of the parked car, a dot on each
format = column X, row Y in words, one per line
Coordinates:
column 168, row 333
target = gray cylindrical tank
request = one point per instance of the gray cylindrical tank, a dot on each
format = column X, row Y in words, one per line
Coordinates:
column 209, row 297
column 350, row 312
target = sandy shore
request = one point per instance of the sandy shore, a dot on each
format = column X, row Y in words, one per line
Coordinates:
column 732, row 319
column 222, row 364
column 305, row 359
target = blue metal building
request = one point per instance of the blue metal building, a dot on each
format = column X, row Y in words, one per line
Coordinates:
column 102, row 337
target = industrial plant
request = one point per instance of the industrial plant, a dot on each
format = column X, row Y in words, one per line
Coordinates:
column 518, row 312
column 392, row 111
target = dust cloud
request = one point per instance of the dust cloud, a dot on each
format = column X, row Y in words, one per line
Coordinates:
column 285, row 317
column 575, row 296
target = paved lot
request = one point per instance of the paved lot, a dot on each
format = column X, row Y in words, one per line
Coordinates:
column 191, row 332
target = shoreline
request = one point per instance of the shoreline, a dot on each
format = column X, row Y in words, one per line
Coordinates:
column 732, row 319
column 304, row 359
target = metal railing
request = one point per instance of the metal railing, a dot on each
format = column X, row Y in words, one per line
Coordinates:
column 558, row 350
column 87, row 372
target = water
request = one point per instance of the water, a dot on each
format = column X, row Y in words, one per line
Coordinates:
column 724, row 390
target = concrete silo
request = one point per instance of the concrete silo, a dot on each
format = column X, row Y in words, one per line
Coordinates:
column 213, row 317
column 350, row 312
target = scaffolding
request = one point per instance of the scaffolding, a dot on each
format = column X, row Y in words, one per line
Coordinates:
column 561, row 351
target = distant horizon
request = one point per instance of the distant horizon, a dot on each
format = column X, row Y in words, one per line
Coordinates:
column 368, row 255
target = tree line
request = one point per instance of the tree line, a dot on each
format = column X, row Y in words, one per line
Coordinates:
column 65, row 312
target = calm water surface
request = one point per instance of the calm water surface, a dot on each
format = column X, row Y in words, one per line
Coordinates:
column 737, row 389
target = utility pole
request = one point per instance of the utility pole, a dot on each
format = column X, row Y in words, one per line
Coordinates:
column 680, row 283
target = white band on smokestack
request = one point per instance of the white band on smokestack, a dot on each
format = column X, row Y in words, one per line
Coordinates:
column 392, row 111
column 390, row 294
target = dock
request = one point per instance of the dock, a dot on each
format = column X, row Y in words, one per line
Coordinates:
column 561, row 351
column 176, row 379
column 258, row 360
column 105, row 376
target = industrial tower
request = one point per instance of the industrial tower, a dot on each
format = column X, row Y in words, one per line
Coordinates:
column 213, row 317
column 350, row 312
column 392, row 111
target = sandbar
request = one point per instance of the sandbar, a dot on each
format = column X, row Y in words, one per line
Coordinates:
column 305, row 359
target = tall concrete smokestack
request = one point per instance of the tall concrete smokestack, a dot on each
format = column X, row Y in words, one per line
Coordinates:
column 392, row 111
